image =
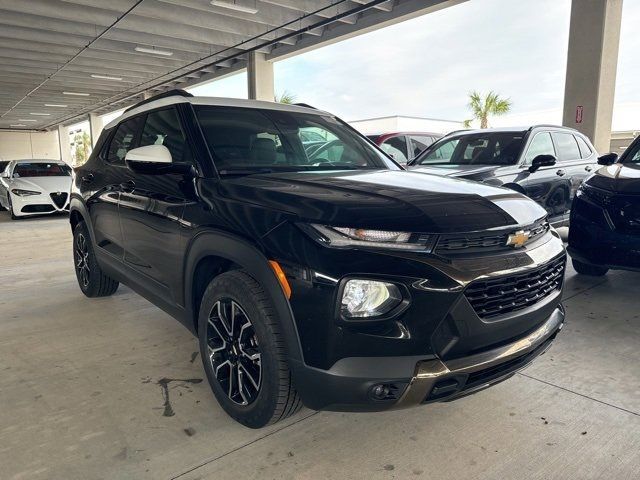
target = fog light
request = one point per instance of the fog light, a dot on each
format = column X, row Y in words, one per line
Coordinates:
column 369, row 298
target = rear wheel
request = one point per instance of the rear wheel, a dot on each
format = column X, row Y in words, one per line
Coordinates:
column 92, row 280
column 243, row 351
column 587, row 269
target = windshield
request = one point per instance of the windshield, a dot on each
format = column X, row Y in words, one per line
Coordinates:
column 633, row 155
column 490, row 148
column 41, row 169
column 245, row 141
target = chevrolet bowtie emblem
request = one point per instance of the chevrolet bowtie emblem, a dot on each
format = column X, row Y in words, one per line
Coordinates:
column 518, row 239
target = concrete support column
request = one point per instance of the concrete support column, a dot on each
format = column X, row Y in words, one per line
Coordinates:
column 65, row 144
column 594, row 36
column 260, row 77
column 95, row 127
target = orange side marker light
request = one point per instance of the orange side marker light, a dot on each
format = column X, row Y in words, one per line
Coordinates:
column 282, row 278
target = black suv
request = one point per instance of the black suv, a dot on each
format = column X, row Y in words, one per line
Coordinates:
column 545, row 162
column 330, row 278
column 605, row 218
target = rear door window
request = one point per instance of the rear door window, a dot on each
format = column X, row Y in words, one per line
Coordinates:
column 419, row 143
column 123, row 140
column 566, row 146
column 397, row 148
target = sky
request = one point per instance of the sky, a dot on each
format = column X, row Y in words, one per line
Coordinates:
column 426, row 66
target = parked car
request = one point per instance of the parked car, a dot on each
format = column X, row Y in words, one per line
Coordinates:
column 341, row 281
column 404, row 146
column 605, row 218
column 544, row 162
column 35, row 187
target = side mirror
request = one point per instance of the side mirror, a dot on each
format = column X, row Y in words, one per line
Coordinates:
column 542, row 161
column 608, row 159
column 4, row 175
column 155, row 160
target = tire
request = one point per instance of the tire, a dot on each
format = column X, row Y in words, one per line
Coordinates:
column 13, row 216
column 248, row 353
column 92, row 280
column 587, row 269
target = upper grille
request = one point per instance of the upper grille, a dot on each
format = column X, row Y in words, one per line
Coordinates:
column 498, row 296
column 484, row 242
column 59, row 199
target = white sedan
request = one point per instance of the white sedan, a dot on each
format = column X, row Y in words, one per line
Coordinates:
column 35, row 187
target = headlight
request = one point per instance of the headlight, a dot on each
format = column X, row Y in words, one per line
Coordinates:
column 23, row 193
column 595, row 195
column 368, row 298
column 351, row 237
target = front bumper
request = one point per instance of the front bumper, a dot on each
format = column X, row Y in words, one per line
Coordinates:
column 348, row 386
column 44, row 203
column 595, row 239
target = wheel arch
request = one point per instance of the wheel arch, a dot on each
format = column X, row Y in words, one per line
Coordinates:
column 212, row 253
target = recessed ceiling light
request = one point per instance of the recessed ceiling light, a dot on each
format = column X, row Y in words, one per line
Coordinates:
column 106, row 77
column 40, row 114
column 18, row 125
column 153, row 51
column 76, row 93
column 234, row 6
column 57, row 105
column 26, row 120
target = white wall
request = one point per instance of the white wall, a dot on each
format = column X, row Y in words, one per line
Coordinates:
column 404, row 124
column 18, row 145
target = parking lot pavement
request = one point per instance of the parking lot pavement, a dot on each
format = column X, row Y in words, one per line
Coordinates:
column 113, row 388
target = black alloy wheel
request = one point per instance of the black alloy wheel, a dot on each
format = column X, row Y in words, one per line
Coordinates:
column 234, row 352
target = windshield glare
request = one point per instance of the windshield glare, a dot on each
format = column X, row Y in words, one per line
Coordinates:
column 40, row 169
column 244, row 141
column 490, row 148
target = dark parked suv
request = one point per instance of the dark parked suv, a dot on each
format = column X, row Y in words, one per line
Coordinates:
column 545, row 162
column 334, row 280
column 605, row 218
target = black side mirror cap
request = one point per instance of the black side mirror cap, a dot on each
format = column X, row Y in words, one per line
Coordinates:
column 542, row 161
column 608, row 159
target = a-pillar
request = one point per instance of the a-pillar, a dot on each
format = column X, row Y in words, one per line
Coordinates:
column 260, row 77
column 594, row 36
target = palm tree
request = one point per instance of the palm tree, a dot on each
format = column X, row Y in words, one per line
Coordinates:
column 285, row 97
column 481, row 108
column 81, row 148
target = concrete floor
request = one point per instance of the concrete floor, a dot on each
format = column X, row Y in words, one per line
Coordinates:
column 81, row 394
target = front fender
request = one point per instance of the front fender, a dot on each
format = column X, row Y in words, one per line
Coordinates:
column 243, row 253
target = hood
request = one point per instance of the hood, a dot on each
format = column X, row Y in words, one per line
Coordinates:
column 42, row 184
column 619, row 178
column 386, row 200
column 462, row 171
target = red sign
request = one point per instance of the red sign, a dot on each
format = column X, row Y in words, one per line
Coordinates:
column 579, row 110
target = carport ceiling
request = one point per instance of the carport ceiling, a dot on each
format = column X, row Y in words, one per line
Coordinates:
column 63, row 59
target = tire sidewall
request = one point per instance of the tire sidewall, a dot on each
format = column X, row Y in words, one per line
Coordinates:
column 260, row 412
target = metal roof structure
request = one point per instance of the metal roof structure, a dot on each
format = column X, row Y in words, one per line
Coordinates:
column 64, row 59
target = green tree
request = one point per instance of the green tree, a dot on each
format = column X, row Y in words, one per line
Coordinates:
column 81, row 148
column 481, row 108
column 285, row 97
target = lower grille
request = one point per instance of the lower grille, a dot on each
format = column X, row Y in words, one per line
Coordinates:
column 37, row 209
column 498, row 296
column 59, row 199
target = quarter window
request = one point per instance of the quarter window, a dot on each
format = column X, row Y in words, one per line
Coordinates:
column 566, row 145
column 585, row 150
column 162, row 127
column 540, row 145
column 123, row 140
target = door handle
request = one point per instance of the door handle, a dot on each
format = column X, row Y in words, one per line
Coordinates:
column 560, row 173
column 588, row 168
column 87, row 178
column 128, row 187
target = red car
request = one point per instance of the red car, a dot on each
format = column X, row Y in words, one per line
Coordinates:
column 404, row 146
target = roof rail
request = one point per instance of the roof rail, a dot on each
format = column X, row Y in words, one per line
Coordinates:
column 169, row 93
column 304, row 105
column 549, row 125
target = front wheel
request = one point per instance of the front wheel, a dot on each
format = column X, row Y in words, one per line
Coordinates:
column 13, row 215
column 92, row 280
column 587, row 269
column 243, row 353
